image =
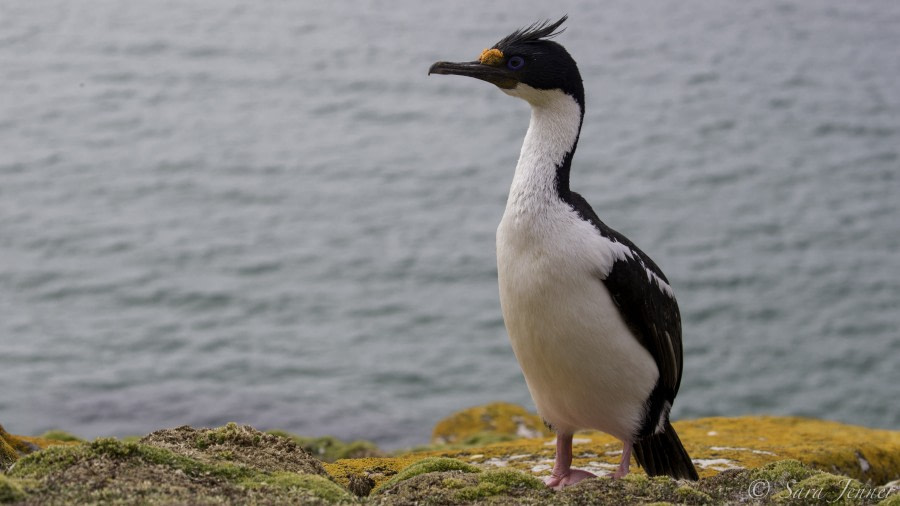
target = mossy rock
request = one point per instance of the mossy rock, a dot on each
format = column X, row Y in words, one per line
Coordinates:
column 110, row 471
column 868, row 455
column 445, row 481
column 490, row 423
column 364, row 474
column 318, row 486
column 237, row 444
column 634, row 489
column 425, row 466
column 716, row 444
column 441, row 481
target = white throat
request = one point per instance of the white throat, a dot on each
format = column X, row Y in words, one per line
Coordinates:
column 555, row 122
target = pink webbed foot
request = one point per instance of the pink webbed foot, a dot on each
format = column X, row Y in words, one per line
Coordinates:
column 563, row 475
column 624, row 464
column 572, row 477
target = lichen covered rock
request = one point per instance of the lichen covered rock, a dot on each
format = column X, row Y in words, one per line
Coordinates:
column 498, row 421
column 716, row 444
column 369, row 473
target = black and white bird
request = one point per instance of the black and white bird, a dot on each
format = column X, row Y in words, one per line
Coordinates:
column 592, row 319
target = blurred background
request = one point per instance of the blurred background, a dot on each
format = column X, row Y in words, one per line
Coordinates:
column 267, row 213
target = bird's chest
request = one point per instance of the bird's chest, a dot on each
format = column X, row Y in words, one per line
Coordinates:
column 549, row 266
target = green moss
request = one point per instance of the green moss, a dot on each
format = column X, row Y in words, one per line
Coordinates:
column 822, row 488
column 639, row 483
column 893, row 499
column 238, row 445
column 690, row 495
column 230, row 432
column 452, row 483
column 428, row 465
column 59, row 435
column 132, row 464
column 10, row 491
column 480, row 491
column 151, row 454
column 44, row 462
column 317, row 485
column 330, row 449
column 512, row 479
column 782, row 472
column 499, row 482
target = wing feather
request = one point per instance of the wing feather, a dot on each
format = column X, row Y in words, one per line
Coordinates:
column 648, row 306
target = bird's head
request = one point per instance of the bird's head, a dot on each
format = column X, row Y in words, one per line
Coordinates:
column 524, row 64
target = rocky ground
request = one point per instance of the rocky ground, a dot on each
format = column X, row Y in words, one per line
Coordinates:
column 494, row 454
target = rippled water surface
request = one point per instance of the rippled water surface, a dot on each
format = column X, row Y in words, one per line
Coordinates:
column 267, row 213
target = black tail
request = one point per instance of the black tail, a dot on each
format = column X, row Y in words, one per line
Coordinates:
column 663, row 454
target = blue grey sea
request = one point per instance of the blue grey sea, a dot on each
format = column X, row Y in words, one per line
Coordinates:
column 266, row 212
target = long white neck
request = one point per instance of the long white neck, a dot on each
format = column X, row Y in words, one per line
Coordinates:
column 552, row 135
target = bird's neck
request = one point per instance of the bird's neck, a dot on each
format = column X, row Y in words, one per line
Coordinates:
column 542, row 173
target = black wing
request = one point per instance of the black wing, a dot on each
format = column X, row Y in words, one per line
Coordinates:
column 649, row 310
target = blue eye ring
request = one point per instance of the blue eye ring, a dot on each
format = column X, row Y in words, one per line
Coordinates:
column 515, row 63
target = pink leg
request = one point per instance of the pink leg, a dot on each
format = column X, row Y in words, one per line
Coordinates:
column 563, row 474
column 625, row 463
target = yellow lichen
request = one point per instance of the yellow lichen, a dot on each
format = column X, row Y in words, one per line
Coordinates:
column 491, row 56
column 378, row 469
column 12, row 446
column 497, row 419
column 715, row 444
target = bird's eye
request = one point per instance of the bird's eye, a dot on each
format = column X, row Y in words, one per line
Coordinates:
column 515, row 63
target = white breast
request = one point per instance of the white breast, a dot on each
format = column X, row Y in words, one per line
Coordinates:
column 583, row 367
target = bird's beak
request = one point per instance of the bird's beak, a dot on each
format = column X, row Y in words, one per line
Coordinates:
column 495, row 75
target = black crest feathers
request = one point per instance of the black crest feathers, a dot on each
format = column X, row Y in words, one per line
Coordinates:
column 534, row 32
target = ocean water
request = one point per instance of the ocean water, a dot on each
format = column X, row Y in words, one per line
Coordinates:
column 267, row 213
